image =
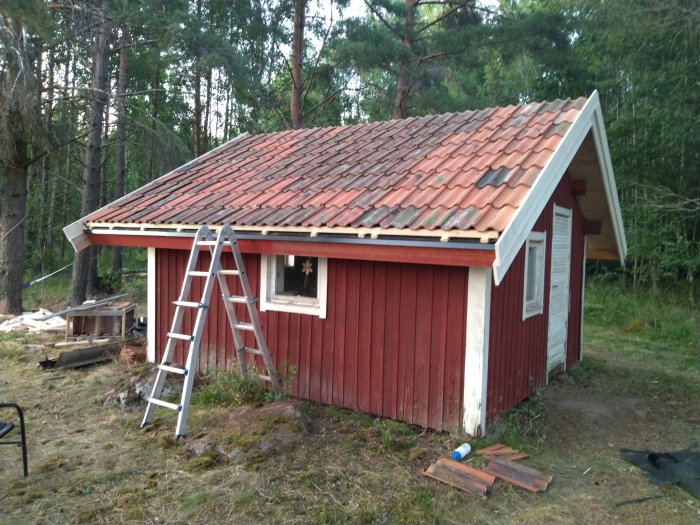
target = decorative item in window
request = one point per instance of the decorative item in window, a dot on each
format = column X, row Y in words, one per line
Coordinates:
column 294, row 283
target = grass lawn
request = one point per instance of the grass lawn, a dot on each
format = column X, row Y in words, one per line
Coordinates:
column 296, row 462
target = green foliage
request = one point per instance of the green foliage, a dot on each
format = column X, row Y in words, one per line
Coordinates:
column 232, row 389
column 524, row 426
column 671, row 317
column 641, row 56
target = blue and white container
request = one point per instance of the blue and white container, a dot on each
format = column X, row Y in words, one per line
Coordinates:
column 462, row 452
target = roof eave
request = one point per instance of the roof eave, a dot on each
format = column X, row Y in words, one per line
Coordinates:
column 417, row 250
column 513, row 237
column 438, row 235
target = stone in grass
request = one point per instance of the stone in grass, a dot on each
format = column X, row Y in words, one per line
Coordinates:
column 139, row 390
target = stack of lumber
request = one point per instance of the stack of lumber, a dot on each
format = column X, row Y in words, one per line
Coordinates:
column 34, row 322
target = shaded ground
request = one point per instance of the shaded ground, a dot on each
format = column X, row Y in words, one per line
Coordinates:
column 294, row 462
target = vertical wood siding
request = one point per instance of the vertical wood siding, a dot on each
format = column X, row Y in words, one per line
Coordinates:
column 392, row 343
column 517, row 348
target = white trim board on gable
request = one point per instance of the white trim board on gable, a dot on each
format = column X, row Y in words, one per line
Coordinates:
column 513, row 237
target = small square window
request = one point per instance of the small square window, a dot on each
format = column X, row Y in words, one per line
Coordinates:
column 294, row 283
column 533, row 296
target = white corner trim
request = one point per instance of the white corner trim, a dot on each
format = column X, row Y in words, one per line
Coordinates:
column 476, row 358
column 266, row 279
column 513, row 237
column 583, row 298
column 75, row 233
column 151, row 306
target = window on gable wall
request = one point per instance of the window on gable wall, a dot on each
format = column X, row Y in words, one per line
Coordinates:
column 294, row 283
column 533, row 295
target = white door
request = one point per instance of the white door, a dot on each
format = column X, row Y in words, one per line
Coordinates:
column 559, row 288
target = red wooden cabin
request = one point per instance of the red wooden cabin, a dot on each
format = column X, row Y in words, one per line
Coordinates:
column 447, row 253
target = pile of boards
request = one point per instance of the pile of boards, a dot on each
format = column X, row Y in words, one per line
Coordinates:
column 38, row 321
column 502, row 464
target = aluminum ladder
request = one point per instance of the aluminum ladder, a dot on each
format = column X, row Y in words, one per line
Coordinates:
column 206, row 239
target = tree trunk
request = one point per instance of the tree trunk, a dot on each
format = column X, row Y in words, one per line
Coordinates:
column 13, row 167
column 95, row 251
column 197, row 115
column 207, row 114
column 51, row 183
column 154, row 120
column 403, row 85
column 297, row 59
column 93, row 150
column 197, row 98
column 13, row 201
column 120, row 161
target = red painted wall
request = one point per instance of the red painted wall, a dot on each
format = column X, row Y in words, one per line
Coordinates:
column 517, row 348
column 392, row 343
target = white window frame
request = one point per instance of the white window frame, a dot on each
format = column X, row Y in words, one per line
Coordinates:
column 297, row 305
column 535, row 306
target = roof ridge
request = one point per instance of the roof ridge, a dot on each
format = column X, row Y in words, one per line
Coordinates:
column 560, row 102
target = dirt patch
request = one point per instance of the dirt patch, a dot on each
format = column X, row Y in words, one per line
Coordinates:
column 603, row 413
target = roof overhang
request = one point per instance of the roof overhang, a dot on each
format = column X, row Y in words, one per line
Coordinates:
column 589, row 122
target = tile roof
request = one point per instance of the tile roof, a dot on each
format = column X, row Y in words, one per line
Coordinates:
column 457, row 171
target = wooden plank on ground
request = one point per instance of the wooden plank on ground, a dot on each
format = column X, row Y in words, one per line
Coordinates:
column 486, row 450
column 520, row 475
column 501, row 451
column 514, row 455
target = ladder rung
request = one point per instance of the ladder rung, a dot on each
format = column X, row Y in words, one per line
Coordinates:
column 182, row 337
column 190, row 304
column 242, row 299
column 229, row 272
column 255, row 351
column 206, row 243
column 160, row 402
column 199, row 273
column 264, row 377
column 173, row 369
column 244, row 326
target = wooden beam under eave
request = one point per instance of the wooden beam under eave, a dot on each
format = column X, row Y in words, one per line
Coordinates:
column 604, row 254
column 592, row 227
column 443, row 256
column 578, row 187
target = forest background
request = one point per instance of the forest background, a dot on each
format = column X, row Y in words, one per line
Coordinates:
column 99, row 97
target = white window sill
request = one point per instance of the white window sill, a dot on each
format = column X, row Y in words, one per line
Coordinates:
column 292, row 307
column 532, row 310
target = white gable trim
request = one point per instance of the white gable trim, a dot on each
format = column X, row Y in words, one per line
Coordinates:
column 513, row 237
column 476, row 358
column 600, row 138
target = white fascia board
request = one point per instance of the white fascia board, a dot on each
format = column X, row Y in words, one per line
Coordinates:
column 476, row 358
column 600, row 139
column 156, row 182
column 515, row 234
column 76, row 235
